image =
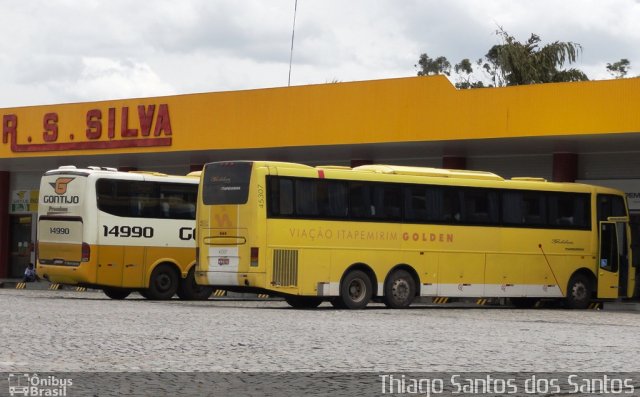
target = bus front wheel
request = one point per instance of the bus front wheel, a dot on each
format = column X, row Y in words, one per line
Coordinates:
column 355, row 290
column 116, row 293
column 399, row 290
column 578, row 292
column 163, row 283
column 188, row 289
column 303, row 302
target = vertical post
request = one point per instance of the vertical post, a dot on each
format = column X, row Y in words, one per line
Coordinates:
column 4, row 223
column 565, row 167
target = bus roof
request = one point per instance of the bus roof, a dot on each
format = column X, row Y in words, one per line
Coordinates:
column 438, row 176
column 113, row 172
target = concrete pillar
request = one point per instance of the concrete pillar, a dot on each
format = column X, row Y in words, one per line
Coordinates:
column 4, row 223
column 565, row 167
column 454, row 162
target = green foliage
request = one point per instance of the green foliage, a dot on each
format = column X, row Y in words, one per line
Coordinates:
column 619, row 69
column 429, row 66
column 515, row 63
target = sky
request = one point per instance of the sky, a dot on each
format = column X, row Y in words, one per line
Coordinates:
column 61, row 51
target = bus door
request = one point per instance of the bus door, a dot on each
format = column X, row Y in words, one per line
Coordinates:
column 612, row 257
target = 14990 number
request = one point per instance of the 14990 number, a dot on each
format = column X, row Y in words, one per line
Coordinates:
column 128, row 231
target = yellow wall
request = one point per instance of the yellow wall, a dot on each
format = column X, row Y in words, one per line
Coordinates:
column 394, row 110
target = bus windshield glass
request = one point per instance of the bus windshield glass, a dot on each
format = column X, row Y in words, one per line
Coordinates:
column 226, row 183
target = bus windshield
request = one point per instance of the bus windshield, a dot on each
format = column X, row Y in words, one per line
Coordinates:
column 226, row 183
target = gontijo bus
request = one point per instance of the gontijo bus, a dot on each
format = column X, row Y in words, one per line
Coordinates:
column 119, row 231
column 391, row 233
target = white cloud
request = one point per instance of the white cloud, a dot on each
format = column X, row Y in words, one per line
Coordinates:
column 107, row 78
column 65, row 50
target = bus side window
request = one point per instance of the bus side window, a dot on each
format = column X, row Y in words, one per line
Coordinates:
column 451, row 202
column 332, row 199
column 569, row 210
column 286, row 196
column 512, row 208
column 360, row 205
column 306, row 197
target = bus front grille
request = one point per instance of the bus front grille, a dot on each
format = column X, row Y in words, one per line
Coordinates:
column 285, row 268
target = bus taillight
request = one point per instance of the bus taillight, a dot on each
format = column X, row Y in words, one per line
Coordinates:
column 254, row 256
column 86, row 252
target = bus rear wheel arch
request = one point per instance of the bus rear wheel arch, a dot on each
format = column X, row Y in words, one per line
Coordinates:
column 188, row 289
column 116, row 293
column 579, row 291
column 400, row 288
column 356, row 290
column 163, row 283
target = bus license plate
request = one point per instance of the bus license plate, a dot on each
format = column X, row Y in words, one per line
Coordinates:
column 223, row 261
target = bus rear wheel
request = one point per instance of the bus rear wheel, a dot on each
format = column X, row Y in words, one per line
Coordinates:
column 578, row 292
column 399, row 290
column 116, row 293
column 163, row 283
column 355, row 290
column 303, row 302
column 188, row 289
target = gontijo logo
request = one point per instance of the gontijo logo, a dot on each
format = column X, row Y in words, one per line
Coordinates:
column 60, row 188
column 60, row 185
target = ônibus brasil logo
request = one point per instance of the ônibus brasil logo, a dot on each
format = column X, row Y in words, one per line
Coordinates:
column 60, row 185
column 34, row 385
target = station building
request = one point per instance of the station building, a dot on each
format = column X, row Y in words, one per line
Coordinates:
column 583, row 131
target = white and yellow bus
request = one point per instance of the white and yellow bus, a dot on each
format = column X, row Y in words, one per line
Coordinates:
column 119, row 231
column 393, row 233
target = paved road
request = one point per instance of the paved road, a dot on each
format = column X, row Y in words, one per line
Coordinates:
column 72, row 331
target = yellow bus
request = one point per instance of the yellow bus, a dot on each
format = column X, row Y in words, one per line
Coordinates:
column 394, row 233
column 119, row 232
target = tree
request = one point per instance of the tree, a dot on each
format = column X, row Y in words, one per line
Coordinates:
column 464, row 70
column 429, row 66
column 512, row 63
column 619, row 69
column 516, row 63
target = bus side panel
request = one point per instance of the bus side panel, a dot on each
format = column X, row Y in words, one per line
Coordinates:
column 110, row 265
column 504, row 275
column 461, row 274
column 133, row 267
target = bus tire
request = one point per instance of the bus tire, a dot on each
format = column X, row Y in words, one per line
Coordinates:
column 188, row 289
column 399, row 290
column 524, row 303
column 578, row 292
column 116, row 293
column 303, row 302
column 355, row 290
column 337, row 303
column 163, row 283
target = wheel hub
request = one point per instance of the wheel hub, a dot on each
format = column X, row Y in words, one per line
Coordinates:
column 400, row 289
